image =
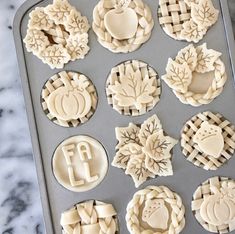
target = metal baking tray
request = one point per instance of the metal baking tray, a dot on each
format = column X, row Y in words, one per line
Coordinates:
column 117, row 188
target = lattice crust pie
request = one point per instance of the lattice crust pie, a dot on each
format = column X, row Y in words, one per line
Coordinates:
column 122, row 26
column 133, row 88
column 91, row 217
column 69, row 99
column 197, row 75
column 57, row 34
column 80, row 163
column 144, row 151
column 155, row 210
column 208, row 140
column 187, row 19
column 213, row 205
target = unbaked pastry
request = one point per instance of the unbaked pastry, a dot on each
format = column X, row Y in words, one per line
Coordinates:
column 80, row 163
column 57, row 34
column 155, row 210
column 90, row 217
column 208, row 140
column 197, row 75
column 69, row 99
column 213, row 205
column 122, row 26
column 133, row 88
column 144, row 151
column 187, row 19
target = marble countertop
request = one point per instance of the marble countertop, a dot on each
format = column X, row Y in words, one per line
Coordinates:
column 20, row 206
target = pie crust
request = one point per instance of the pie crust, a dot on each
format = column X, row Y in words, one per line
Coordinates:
column 144, row 151
column 213, row 205
column 133, row 88
column 122, row 26
column 187, row 19
column 191, row 64
column 80, row 163
column 69, row 99
column 155, row 210
column 90, row 217
column 193, row 151
column 57, row 34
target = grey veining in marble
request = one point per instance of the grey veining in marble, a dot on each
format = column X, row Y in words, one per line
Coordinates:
column 20, row 208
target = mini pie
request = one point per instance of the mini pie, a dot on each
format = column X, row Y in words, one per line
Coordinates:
column 144, row 151
column 57, row 34
column 197, row 75
column 208, row 140
column 80, row 163
column 155, row 210
column 122, row 26
column 133, row 88
column 213, row 205
column 187, row 19
column 90, row 217
column 69, row 99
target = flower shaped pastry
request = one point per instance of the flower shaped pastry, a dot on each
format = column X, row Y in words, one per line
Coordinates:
column 144, row 151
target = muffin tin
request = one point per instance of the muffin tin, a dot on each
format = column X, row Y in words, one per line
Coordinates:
column 117, row 188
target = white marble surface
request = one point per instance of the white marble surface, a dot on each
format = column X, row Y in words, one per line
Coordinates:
column 20, row 208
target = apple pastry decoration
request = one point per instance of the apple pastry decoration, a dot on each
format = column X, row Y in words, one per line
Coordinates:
column 156, row 214
column 122, row 21
column 210, row 139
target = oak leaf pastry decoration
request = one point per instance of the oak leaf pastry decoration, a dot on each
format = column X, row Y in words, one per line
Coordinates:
column 90, row 217
column 57, row 34
column 196, row 65
column 133, row 88
column 155, row 209
column 187, row 19
column 122, row 26
column 214, row 207
column 144, row 151
column 69, row 99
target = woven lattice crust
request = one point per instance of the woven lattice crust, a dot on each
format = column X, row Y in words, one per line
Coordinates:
column 148, row 80
column 191, row 150
column 53, row 84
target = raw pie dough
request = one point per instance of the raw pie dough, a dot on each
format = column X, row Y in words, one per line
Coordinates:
column 69, row 99
column 187, row 19
column 214, row 205
column 91, row 217
column 193, row 69
column 155, row 210
column 133, row 88
column 80, row 163
column 57, row 34
column 208, row 140
column 122, row 26
column 144, row 151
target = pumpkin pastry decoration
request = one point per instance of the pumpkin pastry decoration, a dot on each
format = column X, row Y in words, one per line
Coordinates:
column 80, row 163
column 213, row 205
column 197, row 75
column 144, row 151
column 122, row 26
column 155, row 209
column 57, row 34
column 90, row 217
column 69, row 99
column 208, row 140
column 133, row 88
column 187, row 19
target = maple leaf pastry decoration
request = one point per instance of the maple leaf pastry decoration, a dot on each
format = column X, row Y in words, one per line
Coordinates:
column 194, row 63
column 57, row 34
column 144, row 151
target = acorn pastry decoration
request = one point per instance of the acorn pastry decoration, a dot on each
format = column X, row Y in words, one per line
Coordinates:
column 210, row 139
